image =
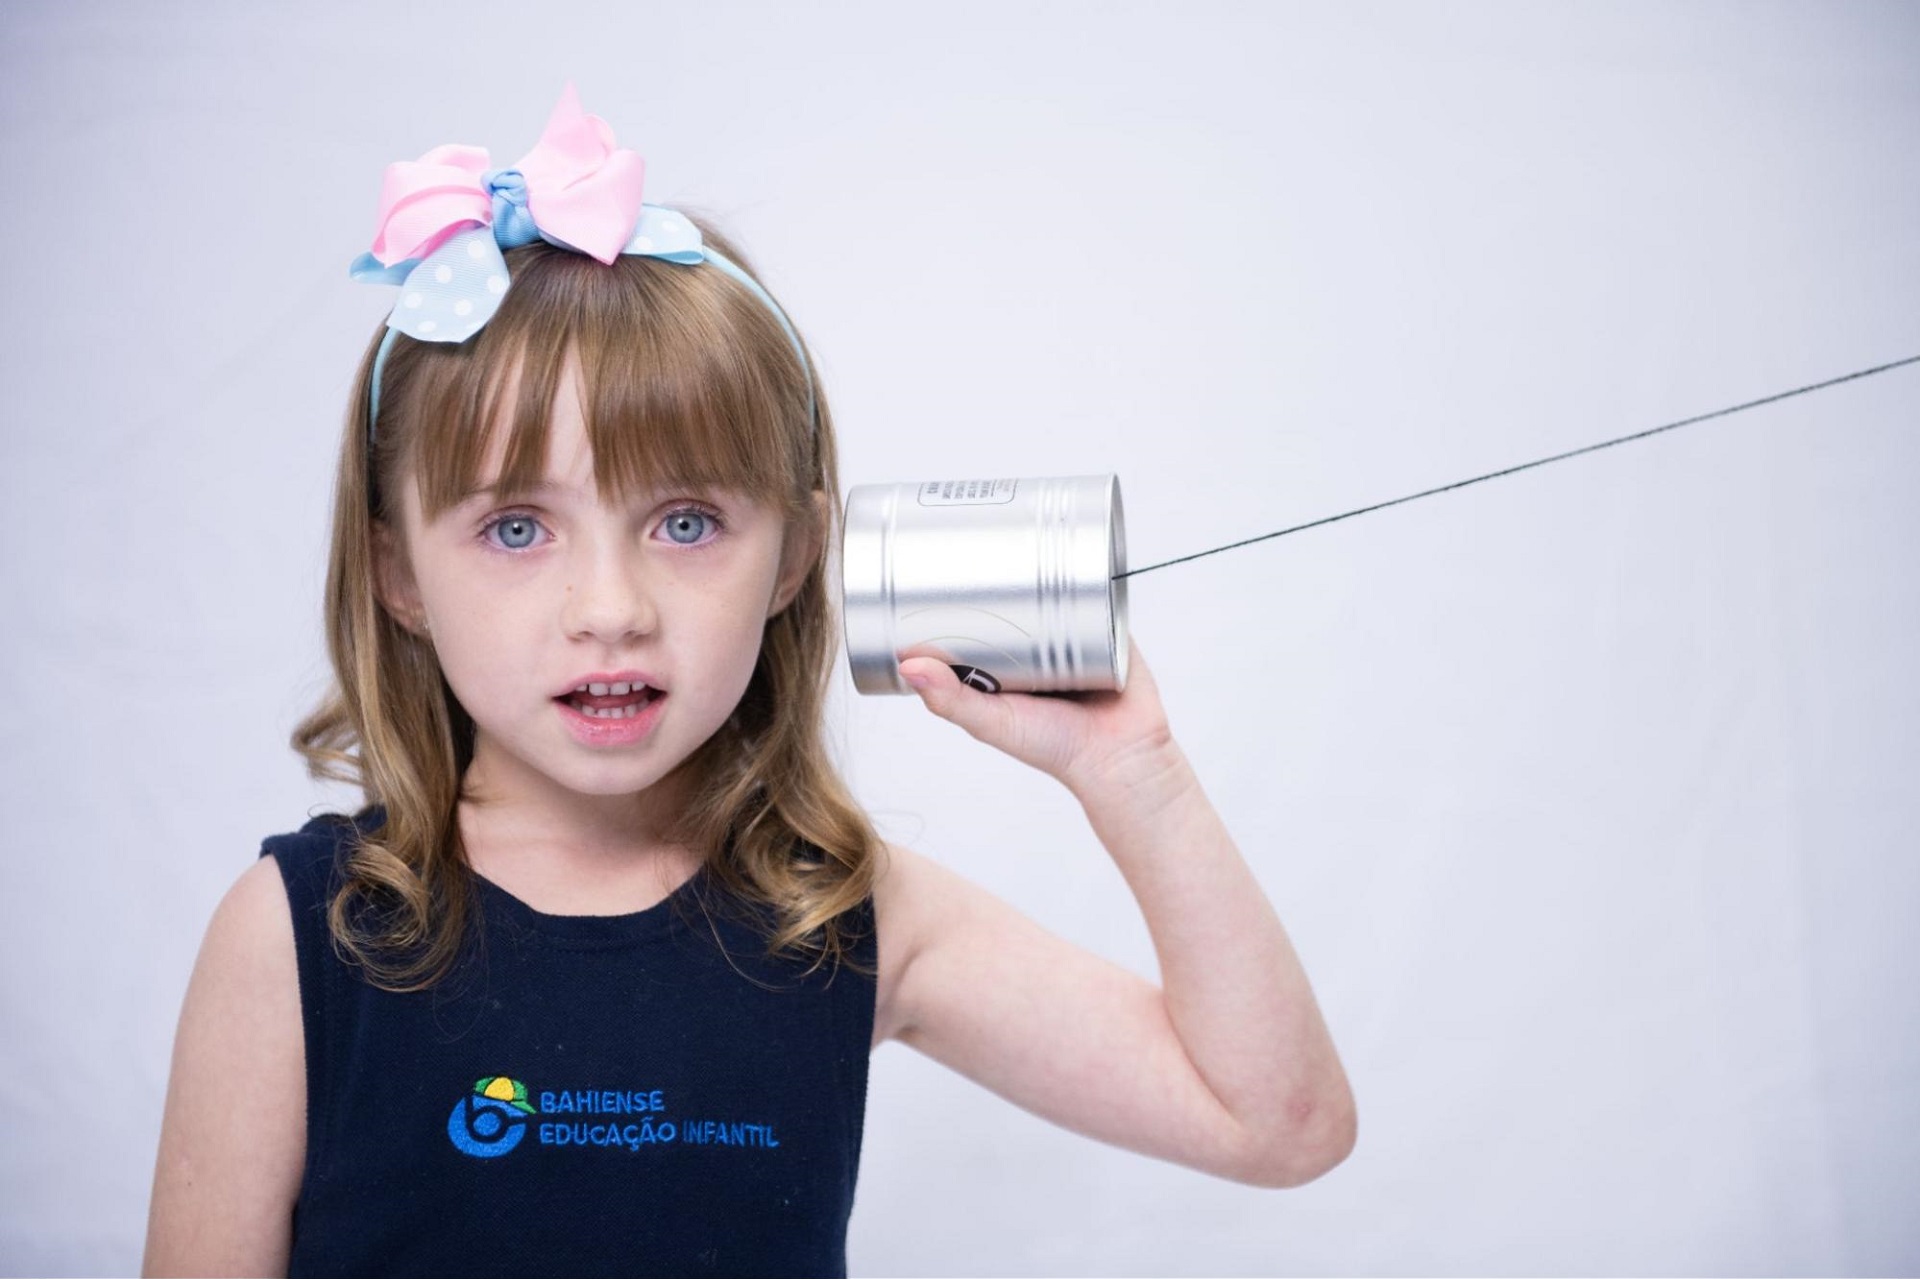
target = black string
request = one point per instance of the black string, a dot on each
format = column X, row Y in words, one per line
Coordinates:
column 1638, row 435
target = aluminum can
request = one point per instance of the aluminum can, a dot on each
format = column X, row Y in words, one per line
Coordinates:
column 1013, row 583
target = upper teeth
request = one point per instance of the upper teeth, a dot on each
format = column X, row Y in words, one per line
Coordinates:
column 601, row 690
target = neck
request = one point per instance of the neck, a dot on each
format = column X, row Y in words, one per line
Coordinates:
column 509, row 814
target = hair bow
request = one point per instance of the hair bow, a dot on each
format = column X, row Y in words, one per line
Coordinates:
column 446, row 220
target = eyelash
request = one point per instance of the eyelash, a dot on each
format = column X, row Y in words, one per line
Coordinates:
column 693, row 508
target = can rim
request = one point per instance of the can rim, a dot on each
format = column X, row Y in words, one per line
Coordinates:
column 1117, row 584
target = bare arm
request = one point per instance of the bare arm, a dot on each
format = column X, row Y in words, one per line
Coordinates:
column 1228, row 1068
column 233, row 1139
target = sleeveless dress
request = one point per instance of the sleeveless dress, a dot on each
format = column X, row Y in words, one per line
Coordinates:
column 639, row 1094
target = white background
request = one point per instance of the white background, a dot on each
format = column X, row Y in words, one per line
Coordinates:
column 1585, row 794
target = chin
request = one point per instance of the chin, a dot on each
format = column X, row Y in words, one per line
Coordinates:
column 610, row 777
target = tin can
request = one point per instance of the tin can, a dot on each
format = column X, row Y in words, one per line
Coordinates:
column 1013, row 583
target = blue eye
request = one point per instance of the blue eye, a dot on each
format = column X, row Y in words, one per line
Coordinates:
column 688, row 526
column 516, row 531
column 684, row 526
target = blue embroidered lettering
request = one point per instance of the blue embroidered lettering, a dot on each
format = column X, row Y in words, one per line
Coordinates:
column 644, row 1133
column 607, row 1101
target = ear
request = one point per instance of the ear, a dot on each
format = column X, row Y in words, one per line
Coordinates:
column 393, row 580
column 799, row 552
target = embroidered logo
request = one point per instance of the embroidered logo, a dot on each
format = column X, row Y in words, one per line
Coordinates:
column 492, row 1119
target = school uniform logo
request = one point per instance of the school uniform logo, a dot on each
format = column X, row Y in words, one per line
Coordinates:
column 494, row 1118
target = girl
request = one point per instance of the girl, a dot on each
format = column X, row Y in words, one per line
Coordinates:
column 590, row 983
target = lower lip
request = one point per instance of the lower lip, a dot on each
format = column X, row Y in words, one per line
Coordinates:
column 625, row 731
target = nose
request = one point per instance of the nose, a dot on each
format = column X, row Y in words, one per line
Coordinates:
column 608, row 595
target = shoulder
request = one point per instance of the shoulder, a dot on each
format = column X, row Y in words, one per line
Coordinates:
column 248, row 951
column 920, row 909
column 253, row 924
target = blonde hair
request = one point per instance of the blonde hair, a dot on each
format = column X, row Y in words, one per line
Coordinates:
column 687, row 378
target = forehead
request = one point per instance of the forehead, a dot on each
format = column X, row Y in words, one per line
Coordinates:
column 589, row 415
column 571, row 477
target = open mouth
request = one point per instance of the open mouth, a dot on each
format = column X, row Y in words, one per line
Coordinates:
column 610, row 706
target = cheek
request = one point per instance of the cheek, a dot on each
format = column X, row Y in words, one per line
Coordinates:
column 745, row 629
column 482, row 637
column 739, row 630
column 470, row 664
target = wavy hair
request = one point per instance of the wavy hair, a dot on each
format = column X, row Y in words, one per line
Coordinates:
column 687, row 378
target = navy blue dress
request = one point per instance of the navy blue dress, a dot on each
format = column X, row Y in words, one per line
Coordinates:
column 640, row 1094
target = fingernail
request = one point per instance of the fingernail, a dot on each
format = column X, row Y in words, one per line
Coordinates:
column 917, row 680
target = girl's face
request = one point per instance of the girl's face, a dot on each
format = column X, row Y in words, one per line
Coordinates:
column 524, row 598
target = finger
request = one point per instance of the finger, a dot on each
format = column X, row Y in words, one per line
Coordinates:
column 1137, row 668
column 941, row 691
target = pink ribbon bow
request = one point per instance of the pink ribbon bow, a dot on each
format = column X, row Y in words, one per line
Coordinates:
column 580, row 188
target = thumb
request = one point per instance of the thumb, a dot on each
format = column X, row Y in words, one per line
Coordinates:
column 941, row 691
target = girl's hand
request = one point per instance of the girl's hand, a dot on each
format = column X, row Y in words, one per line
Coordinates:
column 1093, row 742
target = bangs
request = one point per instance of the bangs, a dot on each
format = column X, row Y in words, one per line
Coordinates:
column 687, row 381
